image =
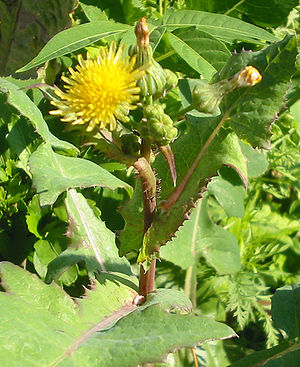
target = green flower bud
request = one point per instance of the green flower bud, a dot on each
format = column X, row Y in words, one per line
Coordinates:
column 130, row 144
column 157, row 126
column 171, row 79
column 207, row 97
column 154, row 81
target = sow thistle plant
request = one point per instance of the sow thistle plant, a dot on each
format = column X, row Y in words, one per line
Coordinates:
column 120, row 103
column 101, row 92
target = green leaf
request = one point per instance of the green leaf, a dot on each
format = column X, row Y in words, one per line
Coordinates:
column 252, row 110
column 92, row 242
column 63, row 332
column 200, row 237
column 286, row 316
column 268, row 13
column 229, row 191
column 170, row 299
column 203, row 52
column 27, row 26
column 75, row 38
column 286, row 309
column 220, row 26
column 18, row 99
column 54, row 173
column 44, row 253
column 256, row 160
column 34, row 215
column 92, row 12
column 283, row 355
column 131, row 236
column 224, row 149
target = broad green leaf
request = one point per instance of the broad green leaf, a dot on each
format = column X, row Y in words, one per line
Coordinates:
column 92, row 12
column 27, row 26
column 91, row 241
column 229, row 191
column 224, row 149
column 285, row 314
column 284, row 355
column 54, row 173
column 220, row 26
column 256, row 160
column 19, row 138
column 268, row 13
column 75, row 38
column 169, row 299
column 87, row 332
column 34, row 215
column 18, row 99
column 200, row 237
column 252, row 110
column 286, row 309
column 131, row 236
column 203, row 52
column 44, row 253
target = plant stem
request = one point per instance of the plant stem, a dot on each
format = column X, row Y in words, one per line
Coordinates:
column 148, row 181
column 182, row 112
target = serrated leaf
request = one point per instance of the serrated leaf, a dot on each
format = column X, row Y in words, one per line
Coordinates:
column 200, row 237
column 203, row 52
column 54, row 173
column 220, row 26
column 131, row 236
column 75, row 38
column 170, row 299
column 82, row 332
column 18, row 99
column 224, row 149
column 92, row 242
column 229, row 191
column 26, row 27
column 252, row 110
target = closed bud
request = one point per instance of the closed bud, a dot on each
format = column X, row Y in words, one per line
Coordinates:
column 157, row 126
column 207, row 97
column 171, row 79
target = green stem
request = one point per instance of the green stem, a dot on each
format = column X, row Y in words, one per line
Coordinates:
column 182, row 112
column 190, row 283
column 165, row 56
column 234, row 7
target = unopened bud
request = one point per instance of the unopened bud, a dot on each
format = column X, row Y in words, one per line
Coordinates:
column 207, row 97
column 248, row 77
column 142, row 33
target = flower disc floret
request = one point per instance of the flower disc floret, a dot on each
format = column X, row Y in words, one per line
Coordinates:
column 100, row 90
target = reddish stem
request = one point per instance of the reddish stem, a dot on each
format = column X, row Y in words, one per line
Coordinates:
column 148, row 182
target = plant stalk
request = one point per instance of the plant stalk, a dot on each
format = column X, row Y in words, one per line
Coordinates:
column 148, row 182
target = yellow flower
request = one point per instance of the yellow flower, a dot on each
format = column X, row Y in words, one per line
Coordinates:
column 248, row 77
column 100, row 90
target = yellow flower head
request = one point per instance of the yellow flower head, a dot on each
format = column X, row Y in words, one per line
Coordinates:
column 100, row 90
